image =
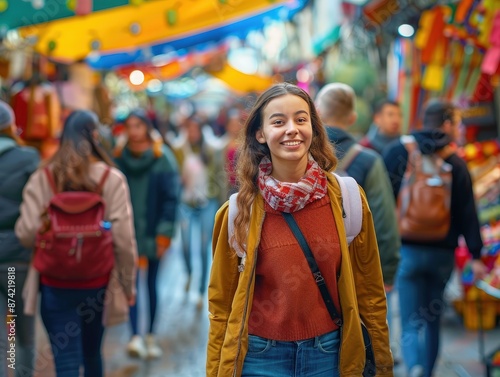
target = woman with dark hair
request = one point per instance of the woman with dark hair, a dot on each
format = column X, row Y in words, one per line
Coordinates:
column 17, row 163
column 75, row 312
column 153, row 178
column 267, row 314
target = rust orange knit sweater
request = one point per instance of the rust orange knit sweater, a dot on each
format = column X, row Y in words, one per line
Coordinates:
column 287, row 303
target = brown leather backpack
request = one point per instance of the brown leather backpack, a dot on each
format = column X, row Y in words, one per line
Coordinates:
column 424, row 199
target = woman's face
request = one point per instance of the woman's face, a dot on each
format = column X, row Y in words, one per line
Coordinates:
column 136, row 129
column 286, row 129
column 193, row 131
column 233, row 126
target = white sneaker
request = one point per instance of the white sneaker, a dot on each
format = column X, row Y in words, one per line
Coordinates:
column 416, row 371
column 200, row 302
column 152, row 348
column 136, row 347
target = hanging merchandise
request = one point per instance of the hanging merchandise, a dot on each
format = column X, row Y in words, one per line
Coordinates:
column 492, row 57
column 483, row 161
column 37, row 111
column 455, row 55
column 36, row 104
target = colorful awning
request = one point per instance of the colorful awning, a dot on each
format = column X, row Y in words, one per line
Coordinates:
column 165, row 25
column 16, row 13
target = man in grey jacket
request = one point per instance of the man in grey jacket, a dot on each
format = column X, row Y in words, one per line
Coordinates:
column 335, row 103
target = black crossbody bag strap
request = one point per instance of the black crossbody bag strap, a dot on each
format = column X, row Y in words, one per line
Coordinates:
column 320, row 280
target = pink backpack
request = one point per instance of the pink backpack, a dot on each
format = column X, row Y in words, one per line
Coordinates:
column 75, row 242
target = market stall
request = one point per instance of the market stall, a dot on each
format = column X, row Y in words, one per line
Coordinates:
column 149, row 46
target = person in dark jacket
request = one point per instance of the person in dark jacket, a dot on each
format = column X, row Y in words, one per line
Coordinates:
column 386, row 126
column 153, row 178
column 17, row 163
column 336, row 104
column 426, row 267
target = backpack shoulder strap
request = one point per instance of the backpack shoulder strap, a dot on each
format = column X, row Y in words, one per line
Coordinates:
column 411, row 146
column 409, row 143
column 414, row 162
column 346, row 161
column 232, row 213
column 105, row 175
column 50, row 178
column 351, row 202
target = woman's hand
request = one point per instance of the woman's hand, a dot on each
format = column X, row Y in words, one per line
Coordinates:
column 162, row 244
column 131, row 299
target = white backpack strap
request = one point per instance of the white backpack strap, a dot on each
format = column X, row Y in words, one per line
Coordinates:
column 411, row 145
column 351, row 202
column 232, row 213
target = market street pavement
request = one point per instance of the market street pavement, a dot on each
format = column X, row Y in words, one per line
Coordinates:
column 182, row 333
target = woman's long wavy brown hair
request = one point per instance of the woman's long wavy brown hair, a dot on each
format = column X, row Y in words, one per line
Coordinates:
column 78, row 149
column 251, row 153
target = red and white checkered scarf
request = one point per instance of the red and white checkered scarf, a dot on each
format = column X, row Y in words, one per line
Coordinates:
column 291, row 197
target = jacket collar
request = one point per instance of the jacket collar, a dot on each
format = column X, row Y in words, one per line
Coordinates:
column 6, row 143
column 341, row 140
column 379, row 140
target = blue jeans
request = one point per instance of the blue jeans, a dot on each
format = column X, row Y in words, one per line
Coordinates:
column 73, row 319
column 422, row 277
column 152, row 273
column 388, row 296
column 204, row 217
column 315, row 357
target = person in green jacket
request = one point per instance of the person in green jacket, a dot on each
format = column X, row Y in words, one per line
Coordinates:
column 153, row 178
column 336, row 106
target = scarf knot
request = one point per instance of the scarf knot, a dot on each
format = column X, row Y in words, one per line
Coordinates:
column 291, row 197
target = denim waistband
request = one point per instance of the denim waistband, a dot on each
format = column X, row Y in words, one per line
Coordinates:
column 324, row 337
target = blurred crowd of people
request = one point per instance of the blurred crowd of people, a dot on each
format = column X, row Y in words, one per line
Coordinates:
column 159, row 183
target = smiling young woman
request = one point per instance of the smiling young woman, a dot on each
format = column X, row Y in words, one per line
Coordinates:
column 267, row 316
column 287, row 131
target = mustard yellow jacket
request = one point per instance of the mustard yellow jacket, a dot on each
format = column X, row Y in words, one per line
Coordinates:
column 361, row 291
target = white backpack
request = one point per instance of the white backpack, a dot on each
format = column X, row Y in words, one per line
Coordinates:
column 351, row 202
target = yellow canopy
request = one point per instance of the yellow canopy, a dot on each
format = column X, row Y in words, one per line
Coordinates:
column 242, row 82
column 132, row 26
